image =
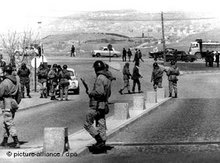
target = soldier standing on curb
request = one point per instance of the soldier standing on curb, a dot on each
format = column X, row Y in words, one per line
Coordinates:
column 98, row 107
column 64, row 76
column 53, row 76
column 10, row 93
column 172, row 74
column 42, row 79
column 135, row 77
column 24, row 73
column 126, row 77
column 157, row 76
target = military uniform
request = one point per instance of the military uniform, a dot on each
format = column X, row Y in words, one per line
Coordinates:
column 9, row 89
column 126, row 77
column 98, row 107
column 172, row 74
column 157, row 76
column 53, row 77
column 42, row 79
column 64, row 76
column 135, row 77
column 24, row 73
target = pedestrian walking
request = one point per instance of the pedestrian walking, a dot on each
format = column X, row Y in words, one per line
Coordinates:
column 53, row 81
column 42, row 79
column 126, row 77
column 157, row 76
column 172, row 74
column 129, row 54
column 124, row 53
column 72, row 52
column 64, row 76
column 10, row 94
column 136, row 78
column 98, row 107
column 24, row 74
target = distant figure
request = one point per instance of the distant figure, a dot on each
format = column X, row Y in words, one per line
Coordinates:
column 129, row 55
column 126, row 77
column 124, row 53
column 138, row 57
column 157, row 76
column 217, row 58
column 72, row 53
column 135, row 77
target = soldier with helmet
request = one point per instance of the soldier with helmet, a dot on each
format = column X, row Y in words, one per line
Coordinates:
column 172, row 74
column 24, row 73
column 64, row 77
column 98, row 107
column 42, row 79
column 53, row 81
column 126, row 77
column 9, row 92
column 157, row 76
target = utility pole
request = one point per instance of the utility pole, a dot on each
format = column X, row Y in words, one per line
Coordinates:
column 163, row 38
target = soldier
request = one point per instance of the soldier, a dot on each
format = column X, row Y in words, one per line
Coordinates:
column 126, row 77
column 64, row 76
column 9, row 92
column 124, row 53
column 217, row 58
column 135, row 77
column 129, row 55
column 2, row 63
column 53, row 77
column 72, row 53
column 172, row 74
column 24, row 73
column 98, row 107
column 157, row 76
column 138, row 57
column 42, row 79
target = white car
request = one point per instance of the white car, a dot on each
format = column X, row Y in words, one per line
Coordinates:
column 104, row 52
column 73, row 83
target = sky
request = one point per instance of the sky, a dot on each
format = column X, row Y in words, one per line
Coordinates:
column 20, row 14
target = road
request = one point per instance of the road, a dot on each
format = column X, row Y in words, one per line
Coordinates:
column 31, row 123
column 186, row 129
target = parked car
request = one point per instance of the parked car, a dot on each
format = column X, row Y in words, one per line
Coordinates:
column 104, row 52
column 73, row 83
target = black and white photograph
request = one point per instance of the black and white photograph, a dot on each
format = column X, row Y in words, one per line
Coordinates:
column 117, row 81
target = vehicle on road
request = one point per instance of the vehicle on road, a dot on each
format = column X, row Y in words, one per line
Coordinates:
column 199, row 47
column 173, row 54
column 73, row 83
column 105, row 52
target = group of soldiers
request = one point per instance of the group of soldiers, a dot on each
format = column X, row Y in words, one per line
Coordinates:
column 211, row 57
column 156, row 77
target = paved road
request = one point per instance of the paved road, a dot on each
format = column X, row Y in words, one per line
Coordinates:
column 191, row 121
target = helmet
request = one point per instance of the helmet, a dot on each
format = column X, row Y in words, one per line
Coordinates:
column 8, row 69
column 64, row 66
column 155, row 65
column 173, row 62
column 54, row 65
column 99, row 65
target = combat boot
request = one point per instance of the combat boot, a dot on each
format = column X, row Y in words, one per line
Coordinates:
column 175, row 95
column 28, row 95
column 99, row 147
column 4, row 142
column 170, row 95
column 16, row 142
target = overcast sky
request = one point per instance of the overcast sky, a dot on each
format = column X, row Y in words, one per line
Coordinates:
column 20, row 13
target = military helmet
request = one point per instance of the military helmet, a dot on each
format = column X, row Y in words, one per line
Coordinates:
column 155, row 65
column 8, row 68
column 64, row 66
column 172, row 62
column 99, row 65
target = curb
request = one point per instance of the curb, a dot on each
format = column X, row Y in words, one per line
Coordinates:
column 110, row 134
column 199, row 72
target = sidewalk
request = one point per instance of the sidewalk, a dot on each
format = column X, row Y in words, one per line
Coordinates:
column 34, row 101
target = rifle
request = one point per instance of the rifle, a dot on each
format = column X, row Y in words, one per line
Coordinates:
column 85, row 85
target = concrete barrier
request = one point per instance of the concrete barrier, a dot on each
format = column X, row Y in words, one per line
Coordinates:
column 160, row 93
column 56, row 140
column 121, row 111
column 151, row 97
column 138, row 102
